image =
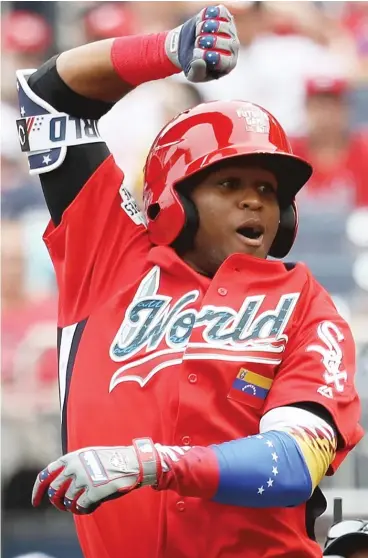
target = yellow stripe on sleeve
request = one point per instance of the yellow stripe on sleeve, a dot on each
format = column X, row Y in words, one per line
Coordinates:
column 318, row 449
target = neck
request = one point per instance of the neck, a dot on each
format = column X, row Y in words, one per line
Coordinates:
column 196, row 267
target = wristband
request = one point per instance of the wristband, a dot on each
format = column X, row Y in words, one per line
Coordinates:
column 141, row 58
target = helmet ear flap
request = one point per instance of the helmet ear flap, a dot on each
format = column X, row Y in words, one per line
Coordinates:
column 185, row 240
column 286, row 233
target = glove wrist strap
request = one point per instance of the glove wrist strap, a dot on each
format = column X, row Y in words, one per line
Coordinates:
column 142, row 58
column 150, row 468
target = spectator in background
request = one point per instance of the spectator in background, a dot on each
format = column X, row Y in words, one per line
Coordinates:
column 355, row 20
column 28, row 365
column 28, row 325
column 26, row 32
column 107, row 19
column 156, row 16
column 103, row 20
column 26, row 38
column 339, row 156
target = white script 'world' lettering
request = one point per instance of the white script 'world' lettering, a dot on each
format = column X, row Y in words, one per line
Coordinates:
column 158, row 331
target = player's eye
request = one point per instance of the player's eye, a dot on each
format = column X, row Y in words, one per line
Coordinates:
column 230, row 183
column 266, row 188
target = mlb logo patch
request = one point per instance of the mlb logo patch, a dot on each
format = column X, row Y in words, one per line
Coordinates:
column 250, row 388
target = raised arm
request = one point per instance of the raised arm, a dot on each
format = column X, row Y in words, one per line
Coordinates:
column 107, row 70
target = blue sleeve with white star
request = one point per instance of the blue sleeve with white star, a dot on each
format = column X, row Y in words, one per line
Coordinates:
column 267, row 470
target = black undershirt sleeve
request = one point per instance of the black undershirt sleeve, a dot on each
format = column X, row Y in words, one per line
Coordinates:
column 61, row 186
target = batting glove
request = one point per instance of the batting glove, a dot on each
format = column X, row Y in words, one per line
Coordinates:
column 206, row 46
column 82, row 480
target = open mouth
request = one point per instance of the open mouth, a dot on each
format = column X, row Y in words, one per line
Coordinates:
column 251, row 234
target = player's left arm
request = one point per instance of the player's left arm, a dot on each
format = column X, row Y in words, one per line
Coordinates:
column 279, row 467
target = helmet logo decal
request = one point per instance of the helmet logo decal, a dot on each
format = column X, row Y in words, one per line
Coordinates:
column 255, row 119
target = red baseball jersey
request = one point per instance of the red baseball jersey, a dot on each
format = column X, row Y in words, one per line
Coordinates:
column 149, row 347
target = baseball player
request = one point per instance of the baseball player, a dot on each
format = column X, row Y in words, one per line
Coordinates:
column 213, row 385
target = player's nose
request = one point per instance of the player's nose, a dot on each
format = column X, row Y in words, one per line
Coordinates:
column 251, row 199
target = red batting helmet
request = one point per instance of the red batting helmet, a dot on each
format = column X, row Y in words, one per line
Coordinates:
column 207, row 134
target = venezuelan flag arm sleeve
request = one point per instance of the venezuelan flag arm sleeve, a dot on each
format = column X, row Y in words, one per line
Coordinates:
column 276, row 468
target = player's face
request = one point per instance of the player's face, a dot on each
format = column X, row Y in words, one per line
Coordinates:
column 327, row 114
column 238, row 212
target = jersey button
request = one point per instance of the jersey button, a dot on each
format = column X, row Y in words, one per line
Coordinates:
column 180, row 506
column 192, row 378
column 186, row 440
column 222, row 291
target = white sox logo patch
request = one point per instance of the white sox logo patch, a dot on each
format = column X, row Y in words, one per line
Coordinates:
column 160, row 331
column 332, row 356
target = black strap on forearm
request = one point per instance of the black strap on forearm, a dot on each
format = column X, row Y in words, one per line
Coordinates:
column 48, row 85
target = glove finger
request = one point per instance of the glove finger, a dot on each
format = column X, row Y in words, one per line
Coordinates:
column 88, row 501
column 215, row 27
column 210, row 59
column 81, row 510
column 198, row 69
column 217, row 64
column 71, row 496
column 83, row 504
column 43, row 481
column 212, row 42
column 57, row 490
column 225, row 64
column 216, row 12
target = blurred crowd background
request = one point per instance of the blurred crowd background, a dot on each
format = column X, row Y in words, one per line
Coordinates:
column 306, row 62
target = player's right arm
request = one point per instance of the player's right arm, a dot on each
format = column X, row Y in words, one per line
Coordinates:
column 94, row 223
